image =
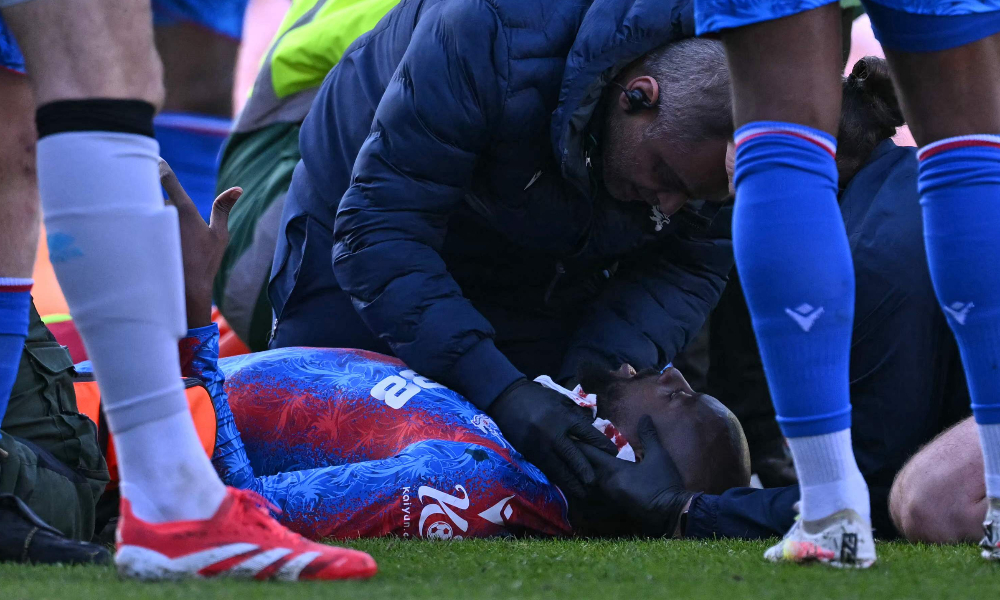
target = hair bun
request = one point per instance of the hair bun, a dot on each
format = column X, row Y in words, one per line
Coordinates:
column 870, row 67
column 871, row 77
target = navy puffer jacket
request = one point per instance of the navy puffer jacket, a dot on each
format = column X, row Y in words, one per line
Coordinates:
column 447, row 153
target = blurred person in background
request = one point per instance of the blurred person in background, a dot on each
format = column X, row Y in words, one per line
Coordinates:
column 281, row 67
column 198, row 42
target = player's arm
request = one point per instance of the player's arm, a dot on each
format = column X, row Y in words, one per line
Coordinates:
column 202, row 248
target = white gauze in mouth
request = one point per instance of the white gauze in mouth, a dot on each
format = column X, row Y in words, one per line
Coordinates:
column 589, row 401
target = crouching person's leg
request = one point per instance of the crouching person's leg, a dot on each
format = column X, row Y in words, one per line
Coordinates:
column 939, row 496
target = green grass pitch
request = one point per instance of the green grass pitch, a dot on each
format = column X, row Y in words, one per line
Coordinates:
column 564, row 570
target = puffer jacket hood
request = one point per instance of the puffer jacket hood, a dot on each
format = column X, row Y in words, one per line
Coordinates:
column 613, row 34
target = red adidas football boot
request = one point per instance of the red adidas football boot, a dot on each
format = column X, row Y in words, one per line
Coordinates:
column 241, row 540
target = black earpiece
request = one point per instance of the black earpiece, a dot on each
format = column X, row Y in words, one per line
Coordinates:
column 637, row 99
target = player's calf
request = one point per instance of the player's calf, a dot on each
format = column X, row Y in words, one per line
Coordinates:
column 20, row 212
column 949, row 80
column 19, row 222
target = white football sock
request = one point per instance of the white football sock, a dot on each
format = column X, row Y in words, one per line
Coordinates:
column 829, row 479
column 989, row 438
column 116, row 251
column 175, row 476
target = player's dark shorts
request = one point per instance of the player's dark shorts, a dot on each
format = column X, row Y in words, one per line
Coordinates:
column 904, row 25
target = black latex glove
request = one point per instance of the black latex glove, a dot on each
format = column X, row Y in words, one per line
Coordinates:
column 651, row 492
column 542, row 424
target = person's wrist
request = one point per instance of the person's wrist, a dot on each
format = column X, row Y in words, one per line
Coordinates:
column 670, row 512
column 498, row 405
column 682, row 520
column 199, row 313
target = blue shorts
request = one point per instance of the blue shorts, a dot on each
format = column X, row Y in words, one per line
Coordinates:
column 917, row 29
column 904, row 25
column 10, row 54
column 221, row 16
column 224, row 17
column 191, row 145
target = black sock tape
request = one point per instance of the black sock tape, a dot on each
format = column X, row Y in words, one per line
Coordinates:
column 99, row 114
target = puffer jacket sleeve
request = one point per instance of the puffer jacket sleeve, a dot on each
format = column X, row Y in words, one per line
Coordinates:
column 436, row 118
column 657, row 302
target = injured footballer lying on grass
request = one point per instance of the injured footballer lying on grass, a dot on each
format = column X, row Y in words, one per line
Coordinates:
column 346, row 443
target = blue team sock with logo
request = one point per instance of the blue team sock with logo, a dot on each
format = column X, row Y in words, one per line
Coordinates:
column 960, row 194
column 795, row 265
column 15, row 302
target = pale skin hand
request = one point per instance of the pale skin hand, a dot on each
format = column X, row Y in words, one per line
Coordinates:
column 202, row 246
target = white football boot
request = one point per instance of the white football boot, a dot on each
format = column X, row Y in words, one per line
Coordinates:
column 991, row 531
column 842, row 540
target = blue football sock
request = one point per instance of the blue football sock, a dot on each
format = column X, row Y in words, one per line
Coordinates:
column 960, row 194
column 15, row 303
column 795, row 264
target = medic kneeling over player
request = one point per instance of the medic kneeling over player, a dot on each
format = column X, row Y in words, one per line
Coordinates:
column 347, row 443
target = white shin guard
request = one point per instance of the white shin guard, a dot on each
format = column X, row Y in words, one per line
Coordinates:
column 116, row 251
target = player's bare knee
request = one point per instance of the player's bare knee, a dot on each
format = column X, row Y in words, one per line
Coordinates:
column 911, row 506
column 937, row 496
column 922, row 513
column 17, row 152
column 99, row 49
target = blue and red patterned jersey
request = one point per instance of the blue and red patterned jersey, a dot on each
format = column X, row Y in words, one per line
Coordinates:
column 348, row 444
